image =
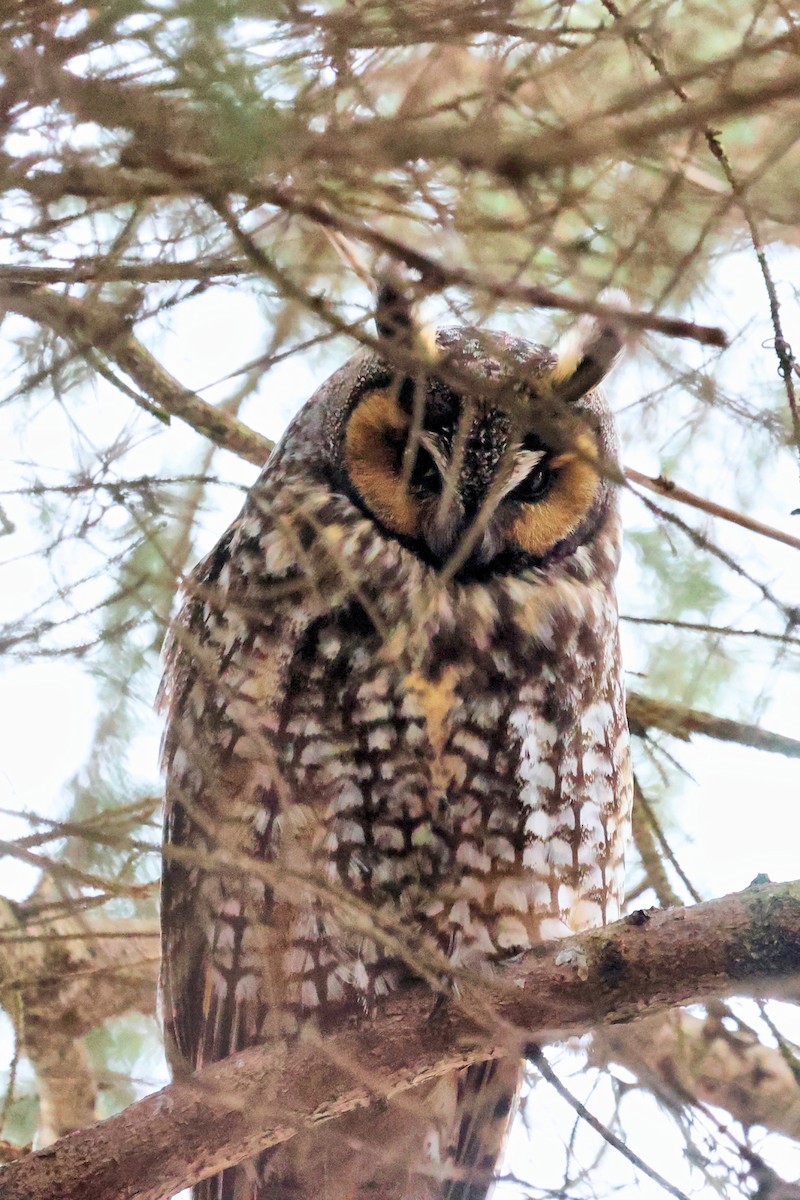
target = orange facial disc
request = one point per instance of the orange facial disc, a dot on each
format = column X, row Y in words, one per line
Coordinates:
column 541, row 526
column 377, row 428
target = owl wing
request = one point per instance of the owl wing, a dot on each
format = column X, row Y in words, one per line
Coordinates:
column 223, row 795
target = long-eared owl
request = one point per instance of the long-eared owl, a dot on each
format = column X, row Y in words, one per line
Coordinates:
column 395, row 687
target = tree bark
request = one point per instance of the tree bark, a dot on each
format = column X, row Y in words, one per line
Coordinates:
column 645, row 713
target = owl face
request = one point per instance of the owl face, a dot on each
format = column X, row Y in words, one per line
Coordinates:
column 494, row 466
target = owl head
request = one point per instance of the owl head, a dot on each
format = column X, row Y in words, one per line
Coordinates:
column 482, row 453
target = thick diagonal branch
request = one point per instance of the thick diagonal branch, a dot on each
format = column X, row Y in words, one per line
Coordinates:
column 742, row 944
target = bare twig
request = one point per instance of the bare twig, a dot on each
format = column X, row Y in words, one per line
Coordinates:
column 99, row 326
column 645, row 810
column 540, row 1062
column 645, row 842
column 717, row 630
column 783, row 351
column 665, row 487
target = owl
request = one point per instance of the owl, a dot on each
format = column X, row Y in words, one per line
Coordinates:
column 396, row 743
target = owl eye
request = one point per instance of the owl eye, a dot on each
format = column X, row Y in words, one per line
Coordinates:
column 534, row 486
column 426, row 476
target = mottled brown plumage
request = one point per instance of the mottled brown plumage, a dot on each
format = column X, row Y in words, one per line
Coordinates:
column 395, row 688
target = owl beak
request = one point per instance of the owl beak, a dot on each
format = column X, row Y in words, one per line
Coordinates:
column 445, row 528
column 449, row 522
column 450, row 531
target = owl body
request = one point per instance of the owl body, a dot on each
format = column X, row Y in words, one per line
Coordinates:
column 397, row 742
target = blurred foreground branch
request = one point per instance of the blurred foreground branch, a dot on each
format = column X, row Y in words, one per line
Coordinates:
column 100, row 328
column 743, row 944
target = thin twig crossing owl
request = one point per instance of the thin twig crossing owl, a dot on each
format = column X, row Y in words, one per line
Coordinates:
column 396, row 733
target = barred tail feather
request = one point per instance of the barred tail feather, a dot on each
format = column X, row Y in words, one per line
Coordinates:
column 237, row 1183
column 440, row 1142
column 487, row 1098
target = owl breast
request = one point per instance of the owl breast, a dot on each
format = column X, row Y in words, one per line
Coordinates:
column 473, row 789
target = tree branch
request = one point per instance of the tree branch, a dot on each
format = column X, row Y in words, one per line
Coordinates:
column 684, row 1058
column 646, row 713
column 101, row 326
column 665, row 487
column 103, row 269
column 743, row 944
column 66, row 1083
column 59, row 978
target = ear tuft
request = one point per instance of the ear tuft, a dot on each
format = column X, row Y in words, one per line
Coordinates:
column 589, row 350
column 396, row 316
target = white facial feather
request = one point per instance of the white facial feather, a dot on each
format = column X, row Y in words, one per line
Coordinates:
column 522, row 464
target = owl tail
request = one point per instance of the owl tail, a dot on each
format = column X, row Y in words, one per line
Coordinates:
column 227, row 1186
column 444, row 1143
column 487, row 1098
